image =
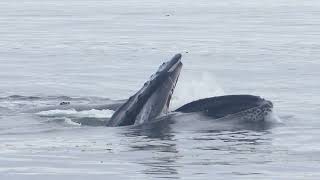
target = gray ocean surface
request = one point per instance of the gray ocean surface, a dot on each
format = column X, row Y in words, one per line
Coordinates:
column 95, row 51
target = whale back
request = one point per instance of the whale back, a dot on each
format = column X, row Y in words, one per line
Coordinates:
column 222, row 106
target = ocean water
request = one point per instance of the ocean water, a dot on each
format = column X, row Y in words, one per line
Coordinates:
column 93, row 52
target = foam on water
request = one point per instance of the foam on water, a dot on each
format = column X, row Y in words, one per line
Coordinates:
column 93, row 113
column 273, row 118
column 69, row 121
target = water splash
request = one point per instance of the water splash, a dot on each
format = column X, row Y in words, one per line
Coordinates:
column 273, row 118
column 70, row 122
column 193, row 85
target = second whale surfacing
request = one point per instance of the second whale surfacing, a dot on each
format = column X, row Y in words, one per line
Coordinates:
column 244, row 108
column 153, row 100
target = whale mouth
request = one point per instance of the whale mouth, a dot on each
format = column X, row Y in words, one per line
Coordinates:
column 159, row 100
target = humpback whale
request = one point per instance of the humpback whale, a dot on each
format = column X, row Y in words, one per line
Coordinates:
column 243, row 107
column 151, row 103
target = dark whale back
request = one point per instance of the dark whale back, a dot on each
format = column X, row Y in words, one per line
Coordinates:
column 221, row 106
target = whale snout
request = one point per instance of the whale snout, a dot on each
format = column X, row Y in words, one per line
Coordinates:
column 270, row 104
column 267, row 104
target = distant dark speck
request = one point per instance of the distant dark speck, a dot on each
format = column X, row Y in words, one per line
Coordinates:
column 64, row 103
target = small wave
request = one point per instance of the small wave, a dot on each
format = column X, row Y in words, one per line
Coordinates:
column 19, row 97
column 69, row 121
column 93, row 113
column 58, row 98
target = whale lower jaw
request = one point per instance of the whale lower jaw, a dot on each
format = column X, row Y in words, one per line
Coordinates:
column 252, row 115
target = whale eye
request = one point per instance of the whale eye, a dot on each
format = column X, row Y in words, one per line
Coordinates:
column 128, row 113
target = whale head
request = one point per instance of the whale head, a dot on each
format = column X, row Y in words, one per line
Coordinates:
column 152, row 99
column 241, row 107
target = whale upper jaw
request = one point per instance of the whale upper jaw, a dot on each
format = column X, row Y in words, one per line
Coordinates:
column 152, row 99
